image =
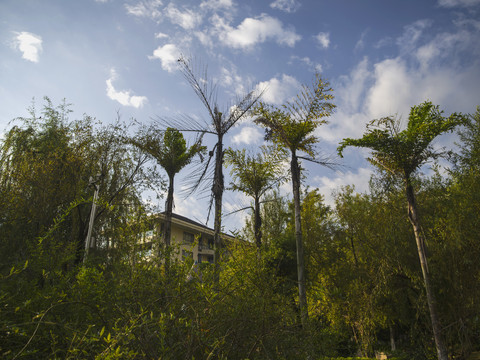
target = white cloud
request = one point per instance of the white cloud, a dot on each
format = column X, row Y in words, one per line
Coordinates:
column 351, row 116
column 411, row 35
column 123, row 97
column 277, row 91
column 288, row 6
column 190, row 207
column 327, row 185
column 435, row 68
column 161, row 35
column 146, row 8
column 323, row 39
column 361, row 42
column 253, row 31
column 453, row 3
column 186, row 19
column 204, row 38
column 29, row 44
column 216, row 4
column 230, row 79
column 168, row 55
column 392, row 90
column 247, row 135
column 312, row 66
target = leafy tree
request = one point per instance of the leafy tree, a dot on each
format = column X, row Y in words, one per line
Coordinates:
column 402, row 153
column 469, row 157
column 293, row 127
column 46, row 164
column 254, row 175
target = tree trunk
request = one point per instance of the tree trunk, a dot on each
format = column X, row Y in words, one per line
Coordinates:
column 295, row 168
column 217, row 191
column 414, row 220
column 393, row 346
column 167, row 233
column 257, row 225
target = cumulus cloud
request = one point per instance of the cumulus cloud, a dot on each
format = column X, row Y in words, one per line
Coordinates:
column 327, row 185
column 461, row 3
column 436, row 68
column 234, row 83
column 146, row 8
column 247, row 135
column 29, row 44
column 123, row 97
column 191, row 208
column 168, row 55
column 350, row 116
column 323, row 39
column 276, row 91
column 288, row 6
column 253, row 31
column 187, row 19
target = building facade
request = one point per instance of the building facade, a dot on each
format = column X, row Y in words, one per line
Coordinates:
column 189, row 239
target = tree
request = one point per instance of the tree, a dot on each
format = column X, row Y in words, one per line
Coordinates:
column 46, row 162
column 254, row 175
column 170, row 150
column 220, row 124
column 402, row 153
column 293, row 127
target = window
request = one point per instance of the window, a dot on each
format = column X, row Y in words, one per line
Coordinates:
column 204, row 258
column 188, row 238
column 210, row 243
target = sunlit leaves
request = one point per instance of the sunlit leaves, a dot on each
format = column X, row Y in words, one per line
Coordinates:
column 402, row 152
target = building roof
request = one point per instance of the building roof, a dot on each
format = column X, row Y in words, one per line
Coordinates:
column 182, row 220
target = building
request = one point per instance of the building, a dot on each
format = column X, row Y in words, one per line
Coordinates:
column 189, row 238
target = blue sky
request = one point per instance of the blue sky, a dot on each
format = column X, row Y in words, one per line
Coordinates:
column 104, row 56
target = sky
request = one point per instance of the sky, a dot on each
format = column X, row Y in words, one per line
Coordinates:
column 110, row 57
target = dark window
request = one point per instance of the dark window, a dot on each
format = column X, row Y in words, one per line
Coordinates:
column 188, row 238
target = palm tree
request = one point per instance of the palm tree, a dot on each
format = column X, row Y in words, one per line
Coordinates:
column 170, row 150
column 402, row 153
column 292, row 127
column 254, row 175
column 219, row 124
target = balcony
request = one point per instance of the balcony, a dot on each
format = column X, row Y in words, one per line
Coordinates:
column 205, row 248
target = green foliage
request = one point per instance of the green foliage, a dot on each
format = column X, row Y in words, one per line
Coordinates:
column 292, row 126
column 362, row 274
column 255, row 174
column 402, row 152
column 167, row 147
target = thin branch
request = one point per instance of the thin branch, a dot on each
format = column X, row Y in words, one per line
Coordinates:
column 238, row 210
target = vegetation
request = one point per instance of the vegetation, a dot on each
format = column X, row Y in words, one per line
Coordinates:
column 365, row 290
column 255, row 175
column 169, row 149
column 292, row 127
column 402, row 153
